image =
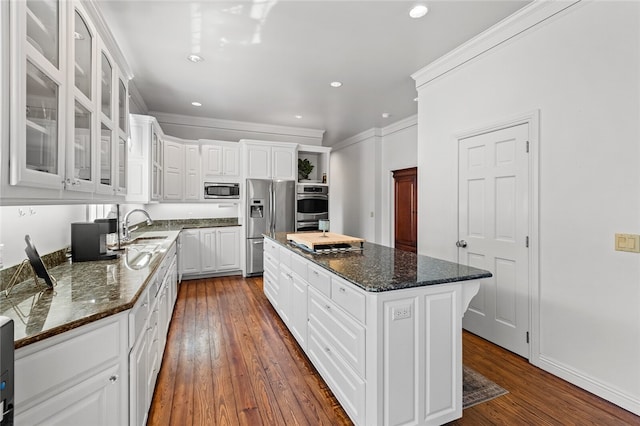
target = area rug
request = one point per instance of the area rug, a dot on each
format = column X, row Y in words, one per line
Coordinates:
column 476, row 388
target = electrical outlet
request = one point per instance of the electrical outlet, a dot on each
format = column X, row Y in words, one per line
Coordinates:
column 628, row 242
column 401, row 312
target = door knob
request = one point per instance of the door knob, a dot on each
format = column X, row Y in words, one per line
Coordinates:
column 461, row 244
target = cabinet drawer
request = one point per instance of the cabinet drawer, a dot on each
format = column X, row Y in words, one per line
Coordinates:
column 270, row 287
column 270, row 265
column 348, row 298
column 43, row 369
column 285, row 257
column 338, row 329
column 348, row 388
column 137, row 317
column 299, row 266
column 319, row 279
column 272, row 248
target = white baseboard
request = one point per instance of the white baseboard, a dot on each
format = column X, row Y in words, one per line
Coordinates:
column 578, row 378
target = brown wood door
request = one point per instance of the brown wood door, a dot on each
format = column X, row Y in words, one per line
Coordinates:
column 406, row 209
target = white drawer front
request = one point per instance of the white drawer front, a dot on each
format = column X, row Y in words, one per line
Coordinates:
column 270, row 287
column 299, row 266
column 55, row 367
column 345, row 384
column 272, row 248
column 348, row 298
column 319, row 279
column 285, row 257
column 270, row 264
column 344, row 334
column 137, row 317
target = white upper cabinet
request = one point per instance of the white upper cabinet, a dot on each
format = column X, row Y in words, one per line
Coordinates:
column 284, row 162
column 38, row 89
column 68, row 103
column 267, row 160
column 192, row 185
column 81, row 172
column 173, row 170
column 143, row 162
column 122, row 112
column 108, row 132
column 220, row 159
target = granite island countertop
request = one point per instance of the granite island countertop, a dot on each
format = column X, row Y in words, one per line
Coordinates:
column 379, row 268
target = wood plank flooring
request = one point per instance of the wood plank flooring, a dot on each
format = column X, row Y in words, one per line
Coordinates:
column 230, row 360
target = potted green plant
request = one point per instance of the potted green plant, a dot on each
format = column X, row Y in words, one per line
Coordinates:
column 304, row 169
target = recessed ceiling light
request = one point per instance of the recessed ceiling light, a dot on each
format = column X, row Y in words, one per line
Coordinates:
column 298, row 116
column 418, row 11
column 386, row 115
column 335, row 84
column 195, row 58
column 196, row 104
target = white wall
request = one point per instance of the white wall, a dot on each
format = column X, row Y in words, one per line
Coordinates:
column 352, row 192
column 581, row 69
column 48, row 226
column 399, row 151
column 166, row 211
column 362, row 183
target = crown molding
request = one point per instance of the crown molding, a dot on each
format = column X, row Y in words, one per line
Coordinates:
column 522, row 20
column 364, row 136
column 240, row 126
column 370, row 134
column 400, row 125
column 137, row 98
column 105, row 33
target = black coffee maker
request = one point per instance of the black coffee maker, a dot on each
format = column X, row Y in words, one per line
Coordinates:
column 89, row 240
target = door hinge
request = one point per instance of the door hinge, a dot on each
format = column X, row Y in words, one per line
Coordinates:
column 526, row 241
column 527, row 146
column 527, row 337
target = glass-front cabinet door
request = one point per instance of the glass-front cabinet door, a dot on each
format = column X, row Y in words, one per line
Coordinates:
column 38, row 87
column 123, row 136
column 107, row 160
column 81, row 158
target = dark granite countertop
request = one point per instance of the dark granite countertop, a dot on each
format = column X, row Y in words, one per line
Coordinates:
column 378, row 268
column 180, row 224
column 85, row 291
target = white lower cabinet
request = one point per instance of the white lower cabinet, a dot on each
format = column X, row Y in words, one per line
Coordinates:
column 390, row 357
column 102, row 373
column 148, row 325
column 78, row 377
column 210, row 251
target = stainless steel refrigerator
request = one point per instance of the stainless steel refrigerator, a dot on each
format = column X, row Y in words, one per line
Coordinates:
column 270, row 208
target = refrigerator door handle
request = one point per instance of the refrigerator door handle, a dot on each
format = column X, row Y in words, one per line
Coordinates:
column 272, row 194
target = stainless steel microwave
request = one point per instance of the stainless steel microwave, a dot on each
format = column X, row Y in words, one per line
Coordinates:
column 218, row 190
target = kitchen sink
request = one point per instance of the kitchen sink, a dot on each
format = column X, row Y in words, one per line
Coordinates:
column 154, row 237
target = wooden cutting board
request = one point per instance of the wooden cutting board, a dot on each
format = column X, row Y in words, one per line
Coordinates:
column 312, row 239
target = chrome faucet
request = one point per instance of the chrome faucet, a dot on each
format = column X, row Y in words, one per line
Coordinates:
column 125, row 223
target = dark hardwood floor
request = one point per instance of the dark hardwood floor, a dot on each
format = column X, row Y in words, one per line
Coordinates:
column 230, row 360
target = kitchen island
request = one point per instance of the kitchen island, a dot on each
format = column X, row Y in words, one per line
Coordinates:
column 382, row 326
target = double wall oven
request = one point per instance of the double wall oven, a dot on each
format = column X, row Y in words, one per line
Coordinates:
column 312, row 204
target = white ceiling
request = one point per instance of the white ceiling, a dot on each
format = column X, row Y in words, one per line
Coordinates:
column 266, row 61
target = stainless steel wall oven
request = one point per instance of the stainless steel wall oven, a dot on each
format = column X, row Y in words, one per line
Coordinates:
column 312, row 204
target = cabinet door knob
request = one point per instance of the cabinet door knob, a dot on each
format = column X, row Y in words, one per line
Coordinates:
column 461, row 244
column 113, row 378
column 342, row 289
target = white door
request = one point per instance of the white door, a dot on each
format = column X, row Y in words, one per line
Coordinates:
column 492, row 227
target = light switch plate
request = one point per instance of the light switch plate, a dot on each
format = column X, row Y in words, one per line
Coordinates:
column 628, row 242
